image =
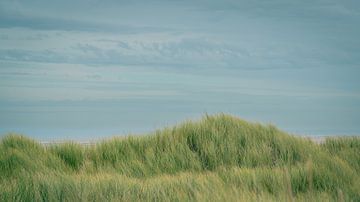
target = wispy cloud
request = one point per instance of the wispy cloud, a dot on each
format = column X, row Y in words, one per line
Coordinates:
column 46, row 23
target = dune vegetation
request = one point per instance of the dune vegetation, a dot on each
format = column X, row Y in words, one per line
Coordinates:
column 218, row 158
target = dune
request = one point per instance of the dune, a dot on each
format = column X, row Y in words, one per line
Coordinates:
column 218, row 158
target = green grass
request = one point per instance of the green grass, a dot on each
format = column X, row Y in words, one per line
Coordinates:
column 219, row 158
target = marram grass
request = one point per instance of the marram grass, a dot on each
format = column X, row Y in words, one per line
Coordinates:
column 219, row 158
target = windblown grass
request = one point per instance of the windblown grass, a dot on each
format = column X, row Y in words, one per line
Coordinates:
column 219, row 158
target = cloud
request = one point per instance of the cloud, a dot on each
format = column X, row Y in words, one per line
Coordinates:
column 187, row 51
column 48, row 23
column 4, row 37
column 32, row 56
column 161, row 58
column 250, row 39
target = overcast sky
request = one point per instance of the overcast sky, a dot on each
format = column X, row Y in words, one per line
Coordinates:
column 89, row 68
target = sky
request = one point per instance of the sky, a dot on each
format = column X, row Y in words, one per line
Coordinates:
column 88, row 69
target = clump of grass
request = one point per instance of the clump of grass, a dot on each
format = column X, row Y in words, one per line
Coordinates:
column 16, row 153
column 347, row 149
column 219, row 158
column 71, row 153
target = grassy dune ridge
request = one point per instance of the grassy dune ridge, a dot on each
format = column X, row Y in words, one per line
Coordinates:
column 218, row 158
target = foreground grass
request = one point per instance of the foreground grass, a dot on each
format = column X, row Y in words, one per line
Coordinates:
column 220, row 158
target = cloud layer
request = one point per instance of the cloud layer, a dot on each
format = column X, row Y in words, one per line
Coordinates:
column 295, row 63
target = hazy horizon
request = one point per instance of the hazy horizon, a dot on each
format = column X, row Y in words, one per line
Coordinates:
column 88, row 69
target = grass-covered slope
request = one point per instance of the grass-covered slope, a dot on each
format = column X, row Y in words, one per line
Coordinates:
column 219, row 158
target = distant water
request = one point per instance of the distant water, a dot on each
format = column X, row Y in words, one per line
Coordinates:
column 85, row 120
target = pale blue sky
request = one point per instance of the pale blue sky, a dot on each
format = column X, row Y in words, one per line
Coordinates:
column 89, row 68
